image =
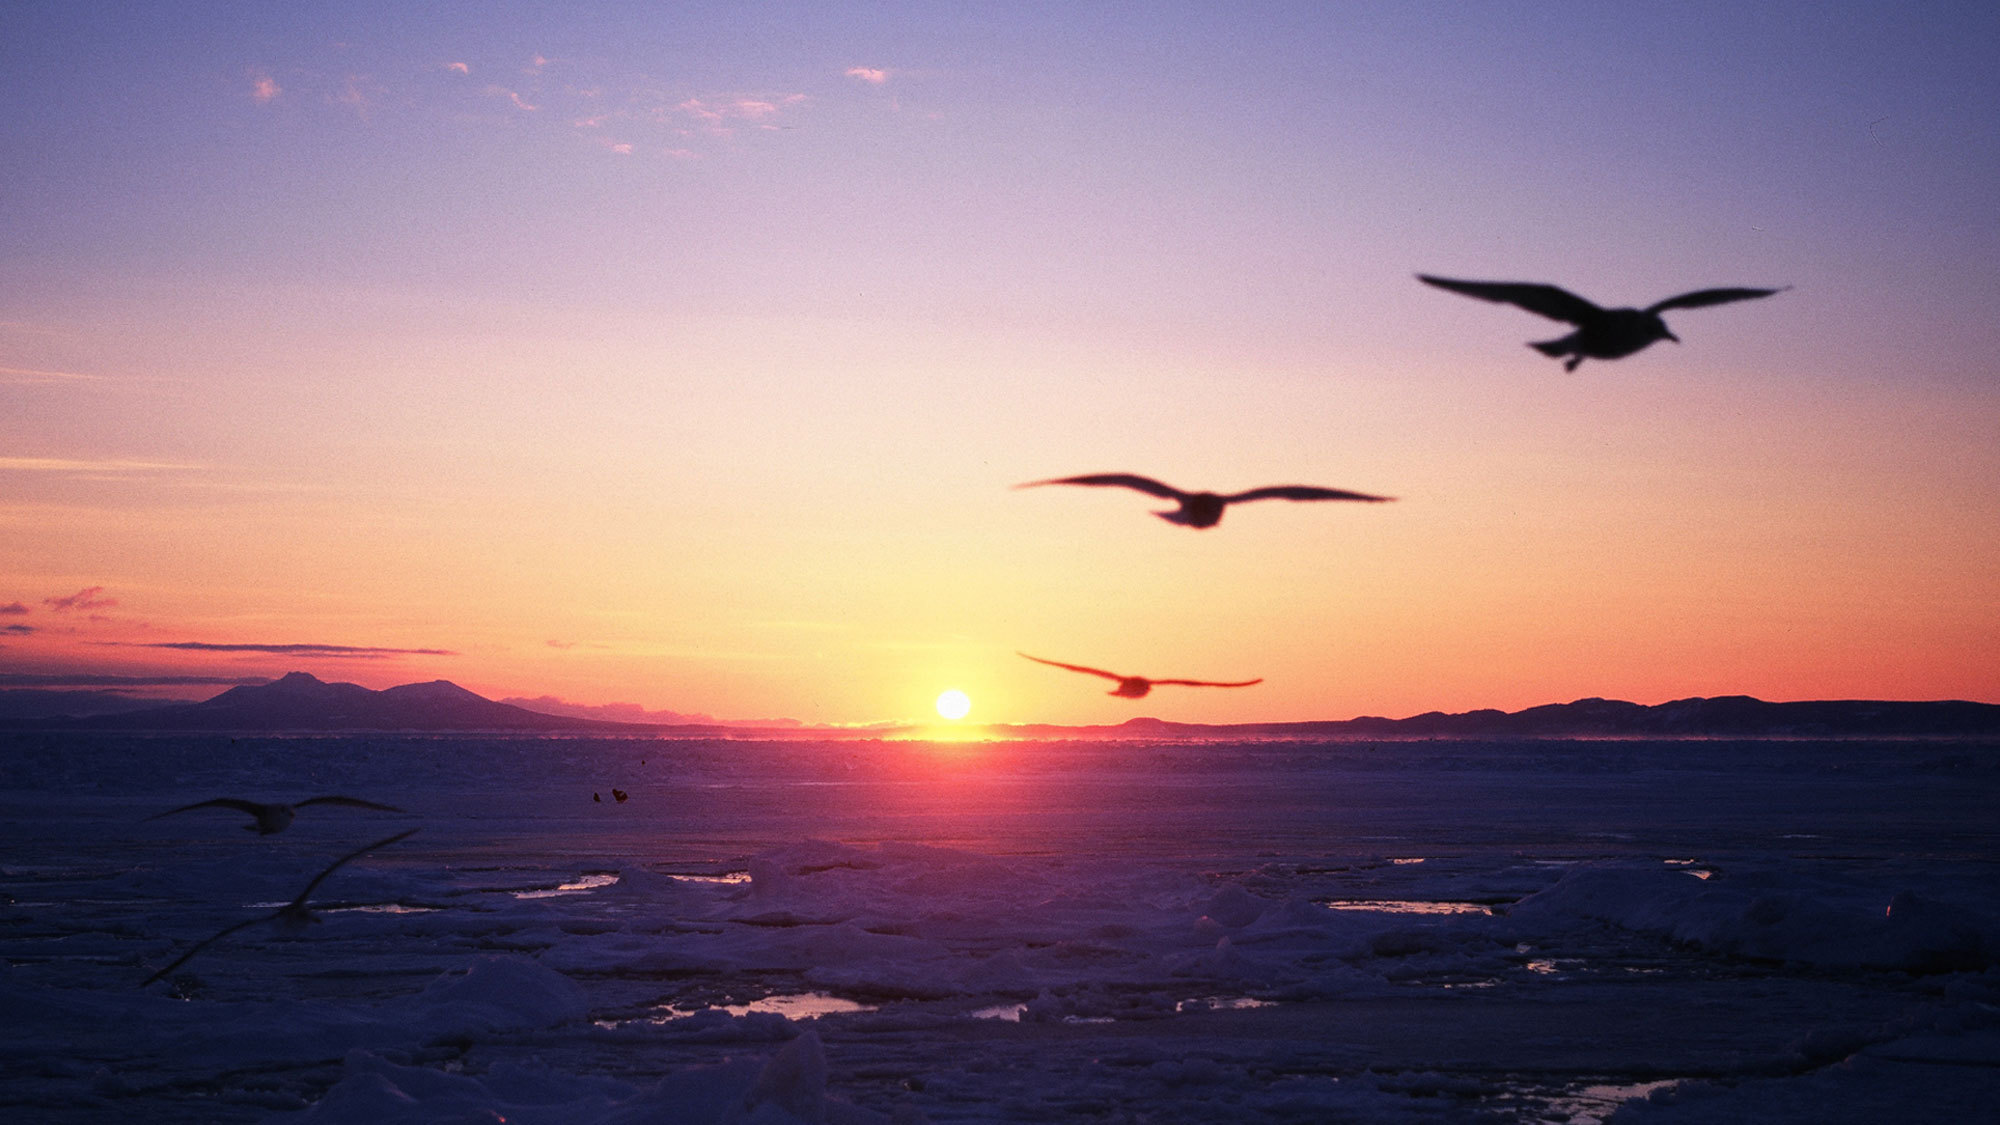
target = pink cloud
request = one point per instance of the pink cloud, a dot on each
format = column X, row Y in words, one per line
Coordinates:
column 86, row 598
column 750, row 109
column 458, row 68
column 871, row 75
column 263, row 87
column 683, row 154
column 357, row 94
column 33, row 375
column 498, row 91
column 15, row 609
column 695, row 107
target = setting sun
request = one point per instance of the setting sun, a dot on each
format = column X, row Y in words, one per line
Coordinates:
column 954, row 704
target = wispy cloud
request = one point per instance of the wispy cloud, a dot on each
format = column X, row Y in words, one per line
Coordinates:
column 17, row 630
column 654, row 117
column 102, row 467
column 13, row 609
column 502, row 91
column 360, row 94
column 90, row 597
column 349, row 652
column 874, row 76
column 34, row 375
column 719, row 115
column 101, row 679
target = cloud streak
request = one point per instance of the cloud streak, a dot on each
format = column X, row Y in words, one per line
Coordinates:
column 720, row 115
column 874, row 76
column 346, row 652
column 104, row 466
column 90, row 597
column 13, row 609
column 34, row 376
column 110, row 680
column 263, row 87
column 510, row 95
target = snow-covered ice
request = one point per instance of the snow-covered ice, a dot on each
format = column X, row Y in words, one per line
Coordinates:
column 1022, row 932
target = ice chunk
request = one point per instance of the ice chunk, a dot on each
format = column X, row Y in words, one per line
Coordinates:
column 496, row 993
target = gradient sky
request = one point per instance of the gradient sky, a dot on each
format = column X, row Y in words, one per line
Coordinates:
column 685, row 354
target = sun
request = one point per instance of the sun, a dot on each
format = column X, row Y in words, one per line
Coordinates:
column 954, row 704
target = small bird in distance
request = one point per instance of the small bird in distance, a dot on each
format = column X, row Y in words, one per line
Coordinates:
column 294, row 915
column 1600, row 333
column 1137, row 687
column 1204, row 509
column 275, row 817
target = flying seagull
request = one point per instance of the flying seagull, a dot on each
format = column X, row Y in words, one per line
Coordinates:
column 1136, row 687
column 1204, row 509
column 294, row 915
column 1600, row 333
column 275, row 817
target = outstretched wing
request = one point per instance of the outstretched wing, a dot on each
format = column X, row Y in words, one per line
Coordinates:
column 1118, row 480
column 1072, row 667
column 1701, row 298
column 1303, row 492
column 1210, row 683
column 1545, row 300
column 204, row 944
column 349, row 802
column 251, row 807
column 335, row 866
column 296, row 904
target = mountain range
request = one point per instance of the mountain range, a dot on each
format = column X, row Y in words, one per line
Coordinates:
column 300, row 702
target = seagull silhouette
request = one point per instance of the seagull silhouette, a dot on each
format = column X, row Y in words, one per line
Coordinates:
column 1600, row 333
column 294, row 915
column 1136, row 687
column 274, row 817
column 1204, row 509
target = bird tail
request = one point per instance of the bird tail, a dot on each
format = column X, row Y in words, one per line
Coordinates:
column 1556, row 349
column 1178, row 515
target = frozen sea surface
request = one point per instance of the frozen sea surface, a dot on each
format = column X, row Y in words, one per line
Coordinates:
column 1003, row 932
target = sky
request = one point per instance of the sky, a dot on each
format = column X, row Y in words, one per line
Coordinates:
column 686, row 355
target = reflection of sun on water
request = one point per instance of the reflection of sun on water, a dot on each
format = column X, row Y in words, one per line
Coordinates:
column 954, row 704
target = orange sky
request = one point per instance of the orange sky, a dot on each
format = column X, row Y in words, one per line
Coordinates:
column 328, row 352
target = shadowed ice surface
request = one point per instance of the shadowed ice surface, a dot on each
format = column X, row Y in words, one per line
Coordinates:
column 980, row 932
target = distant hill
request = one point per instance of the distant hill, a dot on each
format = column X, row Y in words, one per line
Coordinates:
column 1728, row 716
column 301, row 702
column 21, row 704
